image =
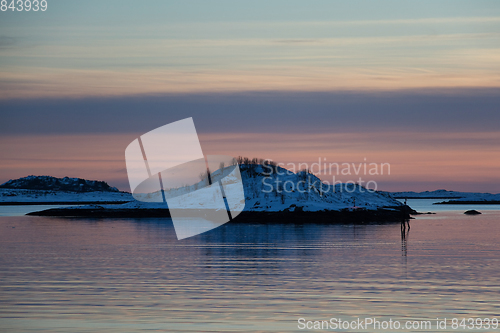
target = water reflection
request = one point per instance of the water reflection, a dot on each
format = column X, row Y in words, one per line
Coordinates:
column 93, row 275
column 405, row 230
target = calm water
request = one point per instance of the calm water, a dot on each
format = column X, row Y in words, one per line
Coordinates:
column 130, row 275
column 20, row 210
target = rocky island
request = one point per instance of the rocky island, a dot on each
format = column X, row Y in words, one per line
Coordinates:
column 272, row 194
column 47, row 190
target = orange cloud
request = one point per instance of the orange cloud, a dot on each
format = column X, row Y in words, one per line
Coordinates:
column 469, row 160
column 46, row 83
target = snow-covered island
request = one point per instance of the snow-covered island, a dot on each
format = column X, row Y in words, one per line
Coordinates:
column 274, row 193
column 47, row 190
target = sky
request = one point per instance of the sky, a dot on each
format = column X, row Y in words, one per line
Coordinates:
column 412, row 84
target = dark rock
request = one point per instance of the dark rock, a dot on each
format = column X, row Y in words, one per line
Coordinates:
column 386, row 214
column 472, row 212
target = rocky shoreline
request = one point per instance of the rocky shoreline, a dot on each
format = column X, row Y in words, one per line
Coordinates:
column 386, row 214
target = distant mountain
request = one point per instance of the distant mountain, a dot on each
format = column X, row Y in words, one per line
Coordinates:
column 437, row 194
column 48, row 183
column 444, row 194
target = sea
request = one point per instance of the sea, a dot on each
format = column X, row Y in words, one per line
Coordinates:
column 440, row 273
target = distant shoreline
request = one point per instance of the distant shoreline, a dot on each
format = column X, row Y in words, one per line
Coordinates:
column 41, row 203
column 428, row 197
column 468, row 202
